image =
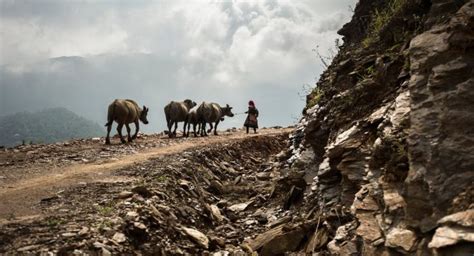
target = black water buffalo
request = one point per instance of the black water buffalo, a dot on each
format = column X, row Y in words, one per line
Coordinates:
column 177, row 112
column 212, row 113
column 124, row 112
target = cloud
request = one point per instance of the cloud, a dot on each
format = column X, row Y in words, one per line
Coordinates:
column 77, row 53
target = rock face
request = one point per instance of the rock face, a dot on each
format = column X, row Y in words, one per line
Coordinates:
column 455, row 228
column 442, row 116
column 386, row 139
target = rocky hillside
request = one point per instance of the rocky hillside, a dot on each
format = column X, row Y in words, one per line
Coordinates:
column 47, row 126
column 386, row 142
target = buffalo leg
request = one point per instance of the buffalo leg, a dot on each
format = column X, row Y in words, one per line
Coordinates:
column 170, row 125
column 199, row 126
column 107, row 139
column 203, row 128
column 210, row 129
column 137, row 127
column 119, row 130
column 129, row 138
column 175, row 128
column 215, row 127
column 184, row 129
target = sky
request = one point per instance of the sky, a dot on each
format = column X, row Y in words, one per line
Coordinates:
column 83, row 54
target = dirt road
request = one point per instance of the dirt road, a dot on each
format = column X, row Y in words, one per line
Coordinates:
column 158, row 196
column 43, row 174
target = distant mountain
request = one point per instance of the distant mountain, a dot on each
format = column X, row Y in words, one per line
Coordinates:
column 47, row 126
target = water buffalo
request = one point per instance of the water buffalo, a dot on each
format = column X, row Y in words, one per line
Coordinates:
column 193, row 119
column 212, row 113
column 177, row 112
column 125, row 112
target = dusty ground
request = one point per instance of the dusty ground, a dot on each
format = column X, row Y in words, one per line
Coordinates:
column 34, row 172
column 85, row 197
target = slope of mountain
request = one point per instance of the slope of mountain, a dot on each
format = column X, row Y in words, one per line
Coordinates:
column 50, row 125
column 386, row 140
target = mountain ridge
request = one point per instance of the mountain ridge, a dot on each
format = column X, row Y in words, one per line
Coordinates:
column 45, row 126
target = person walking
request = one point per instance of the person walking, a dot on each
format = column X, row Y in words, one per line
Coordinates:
column 252, row 114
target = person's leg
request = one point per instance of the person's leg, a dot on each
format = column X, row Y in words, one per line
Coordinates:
column 255, row 130
column 247, row 129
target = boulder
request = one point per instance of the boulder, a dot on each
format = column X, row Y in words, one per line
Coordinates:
column 401, row 238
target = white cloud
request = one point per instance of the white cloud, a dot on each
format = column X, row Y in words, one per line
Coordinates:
column 212, row 45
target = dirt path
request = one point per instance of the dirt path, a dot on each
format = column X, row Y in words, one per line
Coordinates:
column 19, row 199
column 153, row 201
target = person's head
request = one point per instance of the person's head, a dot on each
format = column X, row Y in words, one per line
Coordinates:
column 251, row 103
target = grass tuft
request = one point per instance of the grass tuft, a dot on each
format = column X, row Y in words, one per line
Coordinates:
column 379, row 19
column 317, row 95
